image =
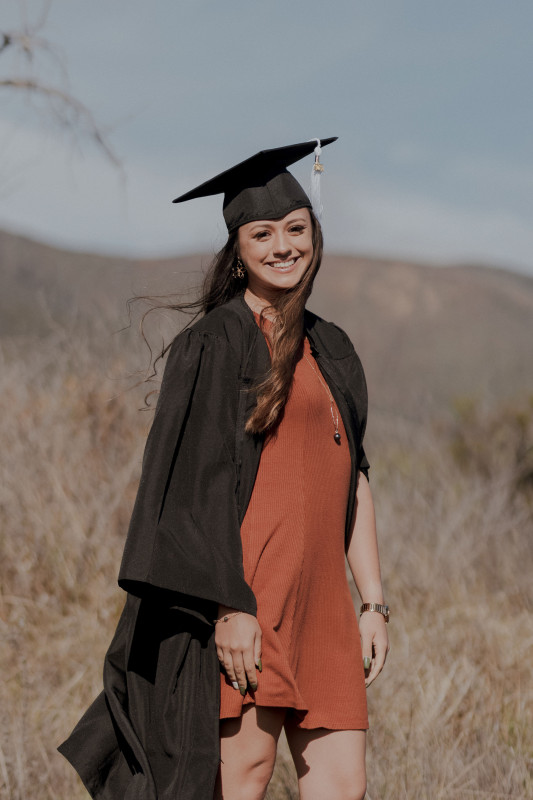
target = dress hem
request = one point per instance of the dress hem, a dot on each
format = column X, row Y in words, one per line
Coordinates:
column 360, row 723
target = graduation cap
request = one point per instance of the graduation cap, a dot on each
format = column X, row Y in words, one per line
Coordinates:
column 261, row 187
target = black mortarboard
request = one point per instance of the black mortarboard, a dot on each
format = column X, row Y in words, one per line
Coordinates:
column 260, row 187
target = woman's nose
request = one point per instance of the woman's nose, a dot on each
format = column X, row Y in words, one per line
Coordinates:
column 281, row 246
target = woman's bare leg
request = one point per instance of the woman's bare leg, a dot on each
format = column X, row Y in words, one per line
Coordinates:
column 248, row 753
column 328, row 763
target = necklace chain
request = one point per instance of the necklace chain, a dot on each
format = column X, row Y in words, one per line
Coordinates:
column 333, row 410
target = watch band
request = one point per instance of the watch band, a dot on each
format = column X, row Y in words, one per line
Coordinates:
column 381, row 609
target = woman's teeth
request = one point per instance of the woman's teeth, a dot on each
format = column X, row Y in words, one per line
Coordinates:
column 283, row 264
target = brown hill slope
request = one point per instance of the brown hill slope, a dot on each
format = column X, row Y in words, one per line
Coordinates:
column 426, row 334
column 43, row 284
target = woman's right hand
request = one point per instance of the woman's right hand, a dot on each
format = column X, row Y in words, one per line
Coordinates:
column 238, row 643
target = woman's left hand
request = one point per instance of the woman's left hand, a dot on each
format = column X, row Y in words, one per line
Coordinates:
column 374, row 643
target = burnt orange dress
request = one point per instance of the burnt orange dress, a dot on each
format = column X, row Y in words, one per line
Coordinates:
column 294, row 560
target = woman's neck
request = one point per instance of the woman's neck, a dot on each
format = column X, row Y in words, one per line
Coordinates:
column 257, row 304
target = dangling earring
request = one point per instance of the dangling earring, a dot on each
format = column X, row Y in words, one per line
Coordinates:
column 238, row 270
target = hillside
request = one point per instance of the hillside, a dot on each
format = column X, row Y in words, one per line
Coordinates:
column 426, row 334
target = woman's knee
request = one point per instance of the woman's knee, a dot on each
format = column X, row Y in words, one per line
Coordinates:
column 358, row 790
column 258, row 777
column 244, row 779
column 329, row 763
column 248, row 753
column 349, row 787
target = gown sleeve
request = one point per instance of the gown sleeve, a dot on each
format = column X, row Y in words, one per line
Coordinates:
column 184, row 535
column 154, row 730
column 360, row 391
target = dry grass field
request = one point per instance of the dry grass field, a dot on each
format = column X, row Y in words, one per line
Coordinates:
column 451, row 716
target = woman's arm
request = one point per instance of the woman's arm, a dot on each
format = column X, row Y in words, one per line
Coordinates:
column 363, row 559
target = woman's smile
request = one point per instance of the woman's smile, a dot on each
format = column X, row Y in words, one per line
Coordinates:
column 285, row 266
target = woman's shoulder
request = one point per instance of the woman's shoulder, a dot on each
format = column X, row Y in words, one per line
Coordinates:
column 227, row 320
column 334, row 343
column 328, row 337
column 227, row 327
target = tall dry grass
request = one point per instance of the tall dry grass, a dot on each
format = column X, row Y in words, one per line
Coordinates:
column 451, row 714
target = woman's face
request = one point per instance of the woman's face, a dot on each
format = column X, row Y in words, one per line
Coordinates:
column 276, row 252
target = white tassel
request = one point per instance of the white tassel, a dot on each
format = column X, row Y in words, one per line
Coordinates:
column 315, row 189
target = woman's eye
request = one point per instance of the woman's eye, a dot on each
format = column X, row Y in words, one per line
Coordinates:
column 296, row 228
column 261, row 235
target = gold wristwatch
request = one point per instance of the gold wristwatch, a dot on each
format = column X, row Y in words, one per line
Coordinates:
column 376, row 607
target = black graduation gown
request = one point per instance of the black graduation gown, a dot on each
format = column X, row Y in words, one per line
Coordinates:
column 153, row 733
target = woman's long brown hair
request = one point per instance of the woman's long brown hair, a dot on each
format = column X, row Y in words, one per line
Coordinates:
column 285, row 334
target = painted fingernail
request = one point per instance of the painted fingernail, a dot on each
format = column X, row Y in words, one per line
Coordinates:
column 260, row 665
column 235, row 684
column 366, row 662
column 242, row 690
column 254, row 686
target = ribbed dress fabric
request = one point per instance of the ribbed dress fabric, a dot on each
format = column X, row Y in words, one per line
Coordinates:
column 294, row 560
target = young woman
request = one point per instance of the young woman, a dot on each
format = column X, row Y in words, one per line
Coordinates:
column 239, row 620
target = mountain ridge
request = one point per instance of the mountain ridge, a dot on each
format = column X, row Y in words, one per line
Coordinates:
column 425, row 333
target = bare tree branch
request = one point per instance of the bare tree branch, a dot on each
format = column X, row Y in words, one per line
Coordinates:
column 6, row 41
column 69, row 111
column 83, row 117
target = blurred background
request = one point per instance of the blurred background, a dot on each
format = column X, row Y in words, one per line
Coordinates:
column 108, row 112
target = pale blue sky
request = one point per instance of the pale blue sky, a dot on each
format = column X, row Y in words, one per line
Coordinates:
column 431, row 103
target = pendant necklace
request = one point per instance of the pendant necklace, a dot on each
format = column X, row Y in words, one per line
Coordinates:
column 334, row 412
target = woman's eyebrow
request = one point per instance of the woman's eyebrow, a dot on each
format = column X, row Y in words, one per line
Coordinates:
column 261, row 226
column 270, row 224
